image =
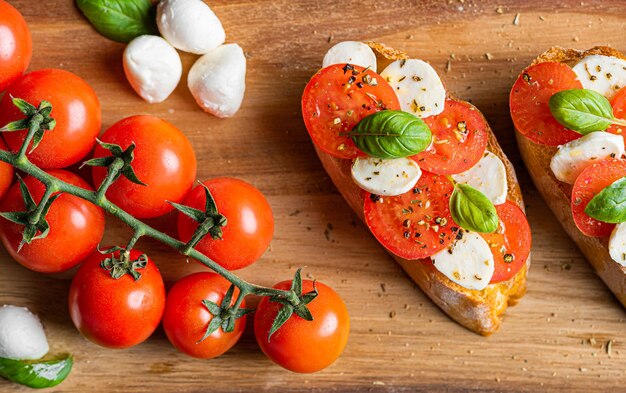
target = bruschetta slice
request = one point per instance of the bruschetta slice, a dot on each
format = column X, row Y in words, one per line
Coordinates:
column 568, row 108
column 425, row 173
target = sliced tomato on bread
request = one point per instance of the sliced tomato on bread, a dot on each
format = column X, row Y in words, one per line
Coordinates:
column 589, row 183
column 619, row 111
column 529, row 100
column 336, row 99
column 510, row 243
column 460, row 136
column 416, row 224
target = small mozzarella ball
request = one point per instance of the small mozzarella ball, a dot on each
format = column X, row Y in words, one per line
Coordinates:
column 152, row 67
column 218, row 80
column 190, row 25
column 21, row 334
column 351, row 52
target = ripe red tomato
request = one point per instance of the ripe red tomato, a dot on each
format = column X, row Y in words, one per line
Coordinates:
column 186, row 318
column 299, row 345
column 460, row 138
column 250, row 225
column 510, row 243
column 75, row 108
column 336, row 99
column 619, row 111
column 529, row 100
column 116, row 313
column 588, row 184
column 16, row 45
column 164, row 161
column 76, row 227
column 416, row 224
column 6, row 173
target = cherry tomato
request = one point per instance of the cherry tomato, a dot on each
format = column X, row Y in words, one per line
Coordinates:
column 336, row 99
column 164, row 161
column 460, row 136
column 529, row 100
column 6, row 173
column 186, row 318
column 510, row 243
column 299, row 345
column 116, row 313
column 590, row 182
column 76, row 227
column 75, row 108
column 16, row 45
column 416, row 224
column 250, row 225
column 619, row 111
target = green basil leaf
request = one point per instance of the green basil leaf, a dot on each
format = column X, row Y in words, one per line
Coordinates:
column 36, row 374
column 391, row 134
column 609, row 205
column 120, row 20
column 472, row 210
column 582, row 110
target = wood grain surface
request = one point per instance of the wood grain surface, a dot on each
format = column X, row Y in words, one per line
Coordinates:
column 555, row 340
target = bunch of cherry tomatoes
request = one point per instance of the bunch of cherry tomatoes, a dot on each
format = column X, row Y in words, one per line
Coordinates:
column 123, row 312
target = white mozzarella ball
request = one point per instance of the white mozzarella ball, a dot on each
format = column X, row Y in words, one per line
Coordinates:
column 21, row 334
column 351, row 52
column 152, row 67
column 190, row 25
column 218, row 80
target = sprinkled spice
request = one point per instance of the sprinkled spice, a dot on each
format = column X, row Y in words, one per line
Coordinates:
column 407, row 234
column 461, row 126
column 351, row 80
column 526, row 77
column 416, row 190
column 347, row 67
column 375, row 198
column 406, row 223
column 508, row 258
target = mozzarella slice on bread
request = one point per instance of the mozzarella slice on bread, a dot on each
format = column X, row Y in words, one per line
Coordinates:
column 467, row 262
column 417, row 86
column 351, row 52
column 385, row 177
column 487, row 176
column 573, row 157
column 617, row 244
column 604, row 74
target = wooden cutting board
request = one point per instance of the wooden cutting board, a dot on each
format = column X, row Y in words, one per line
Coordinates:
column 555, row 340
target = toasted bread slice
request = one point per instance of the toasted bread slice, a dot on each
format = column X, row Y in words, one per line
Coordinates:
column 557, row 194
column 479, row 311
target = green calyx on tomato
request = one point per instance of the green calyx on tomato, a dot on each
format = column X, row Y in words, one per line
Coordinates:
column 583, row 110
column 118, row 163
column 391, row 134
column 34, row 218
column 295, row 302
column 37, row 374
column 37, row 119
column 210, row 220
column 472, row 210
column 120, row 20
column 224, row 315
column 609, row 205
column 121, row 264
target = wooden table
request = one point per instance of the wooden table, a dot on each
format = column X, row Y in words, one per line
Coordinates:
column 554, row 340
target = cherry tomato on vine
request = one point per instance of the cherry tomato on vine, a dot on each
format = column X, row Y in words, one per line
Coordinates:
column 116, row 313
column 6, row 173
column 250, row 225
column 299, row 345
column 75, row 108
column 164, row 161
column 76, row 227
column 186, row 318
column 16, row 45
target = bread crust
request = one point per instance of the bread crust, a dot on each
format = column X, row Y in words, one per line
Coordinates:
column 557, row 194
column 479, row 311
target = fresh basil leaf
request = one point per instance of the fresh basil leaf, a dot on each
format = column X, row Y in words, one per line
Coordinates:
column 36, row 374
column 582, row 110
column 391, row 134
column 609, row 205
column 472, row 210
column 120, row 20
